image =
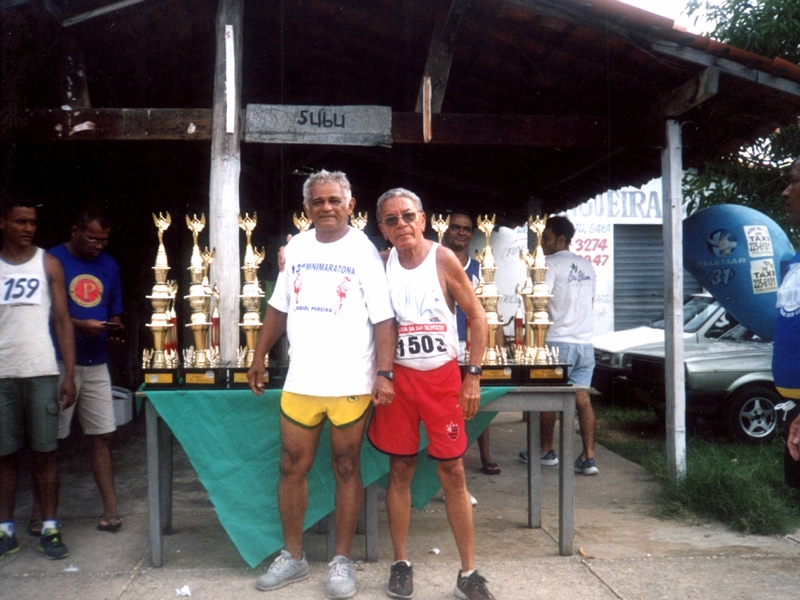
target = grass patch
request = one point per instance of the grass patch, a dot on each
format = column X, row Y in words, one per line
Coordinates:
column 737, row 484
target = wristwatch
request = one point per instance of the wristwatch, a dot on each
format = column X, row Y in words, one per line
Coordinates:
column 388, row 374
column 473, row 370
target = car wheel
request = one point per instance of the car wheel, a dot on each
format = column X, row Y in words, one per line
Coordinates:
column 751, row 413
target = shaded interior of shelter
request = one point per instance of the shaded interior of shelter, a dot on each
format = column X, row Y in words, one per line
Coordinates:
column 592, row 62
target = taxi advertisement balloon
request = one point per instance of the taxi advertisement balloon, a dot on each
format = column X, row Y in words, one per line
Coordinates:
column 737, row 254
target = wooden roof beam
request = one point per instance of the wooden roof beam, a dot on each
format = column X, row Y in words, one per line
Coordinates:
column 694, row 92
column 553, row 131
column 440, row 54
column 726, row 66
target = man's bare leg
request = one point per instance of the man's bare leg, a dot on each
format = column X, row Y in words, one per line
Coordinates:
column 103, row 471
column 398, row 502
column 299, row 446
column 459, row 509
column 9, row 478
column 346, row 463
column 45, row 480
column 587, row 422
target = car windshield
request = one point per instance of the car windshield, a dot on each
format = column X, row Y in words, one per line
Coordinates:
column 740, row 333
column 695, row 312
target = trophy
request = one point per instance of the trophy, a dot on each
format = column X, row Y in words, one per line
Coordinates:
column 200, row 355
column 535, row 296
column 160, row 357
column 359, row 222
column 302, row 222
column 488, row 293
column 251, row 293
column 440, row 225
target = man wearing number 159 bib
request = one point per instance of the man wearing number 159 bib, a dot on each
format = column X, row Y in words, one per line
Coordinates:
column 31, row 295
column 425, row 282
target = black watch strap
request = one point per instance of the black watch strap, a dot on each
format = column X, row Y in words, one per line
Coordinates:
column 388, row 374
column 474, row 370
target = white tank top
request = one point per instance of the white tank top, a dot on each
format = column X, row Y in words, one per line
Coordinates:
column 427, row 336
column 26, row 348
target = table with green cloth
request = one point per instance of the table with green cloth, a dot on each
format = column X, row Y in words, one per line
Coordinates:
column 232, row 439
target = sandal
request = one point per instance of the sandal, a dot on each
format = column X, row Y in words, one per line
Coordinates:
column 111, row 524
column 35, row 527
column 491, row 469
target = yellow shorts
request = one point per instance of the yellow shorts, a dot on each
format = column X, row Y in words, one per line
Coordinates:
column 310, row 411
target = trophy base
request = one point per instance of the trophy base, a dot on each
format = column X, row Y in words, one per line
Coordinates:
column 522, row 375
column 274, row 377
column 533, row 375
column 203, row 378
column 160, row 379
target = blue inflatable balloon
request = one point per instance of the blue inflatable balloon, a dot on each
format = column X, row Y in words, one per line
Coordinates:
column 737, row 253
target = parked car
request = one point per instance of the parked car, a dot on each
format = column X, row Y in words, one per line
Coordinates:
column 729, row 378
column 704, row 320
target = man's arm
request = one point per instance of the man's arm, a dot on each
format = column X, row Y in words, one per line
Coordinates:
column 386, row 345
column 793, row 439
column 273, row 327
column 62, row 326
column 459, row 288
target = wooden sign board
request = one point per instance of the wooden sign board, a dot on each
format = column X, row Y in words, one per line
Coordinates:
column 332, row 125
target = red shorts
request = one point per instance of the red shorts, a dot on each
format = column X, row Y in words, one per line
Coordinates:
column 427, row 396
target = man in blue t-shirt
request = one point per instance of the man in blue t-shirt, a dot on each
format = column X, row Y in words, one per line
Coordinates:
column 786, row 351
column 94, row 296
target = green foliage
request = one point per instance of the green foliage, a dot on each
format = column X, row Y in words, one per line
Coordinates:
column 740, row 485
column 766, row 27
column 755, row 175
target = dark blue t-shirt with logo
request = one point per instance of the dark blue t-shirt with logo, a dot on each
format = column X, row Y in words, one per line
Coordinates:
column 94, row 291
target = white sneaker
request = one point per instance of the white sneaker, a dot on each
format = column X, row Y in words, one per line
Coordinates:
column 341, row 578
column 284, row 570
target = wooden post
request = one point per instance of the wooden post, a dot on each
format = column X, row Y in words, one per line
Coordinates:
column 671, row 174
column 225, row 168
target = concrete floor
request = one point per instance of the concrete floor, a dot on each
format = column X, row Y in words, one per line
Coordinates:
column 621, row 550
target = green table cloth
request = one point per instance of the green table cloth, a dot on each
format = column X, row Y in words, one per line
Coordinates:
column 232, row 439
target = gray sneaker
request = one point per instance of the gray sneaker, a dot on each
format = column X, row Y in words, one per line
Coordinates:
column 341, row 578
column 586, row 466
column 284, row 570
column 548, row 459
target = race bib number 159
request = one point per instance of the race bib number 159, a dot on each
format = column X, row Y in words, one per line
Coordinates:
column 20, row 289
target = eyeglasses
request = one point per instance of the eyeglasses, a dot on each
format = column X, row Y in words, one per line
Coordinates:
column 95, row 241
column 392, row 220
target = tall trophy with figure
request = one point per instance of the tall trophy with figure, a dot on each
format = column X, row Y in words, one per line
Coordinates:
column 160, row 362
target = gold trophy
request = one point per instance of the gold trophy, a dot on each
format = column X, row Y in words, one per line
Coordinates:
column 302, row 222
column 200, row 356
column 251, row 293
column 158, row 358
column 536, row 296
column 360, row 221
column 488, row 294
column 440, row 225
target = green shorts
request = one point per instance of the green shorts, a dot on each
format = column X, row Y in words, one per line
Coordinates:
column 29, row 406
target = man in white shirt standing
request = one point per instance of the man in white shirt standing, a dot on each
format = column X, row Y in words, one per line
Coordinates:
column 572, row 282
column 332, row 300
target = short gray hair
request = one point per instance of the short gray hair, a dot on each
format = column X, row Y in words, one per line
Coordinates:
column 398, row 193
column 324, row 176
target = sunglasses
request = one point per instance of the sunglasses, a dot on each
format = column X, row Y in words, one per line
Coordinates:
column 95, row 241
column 392, row 220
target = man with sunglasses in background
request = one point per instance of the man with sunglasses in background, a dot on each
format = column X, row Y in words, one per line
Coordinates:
column 426, row 281
column 458, row 237
column 94, row 298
